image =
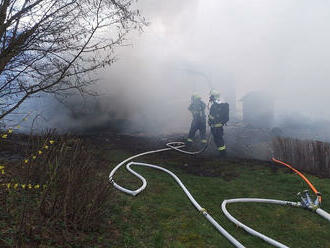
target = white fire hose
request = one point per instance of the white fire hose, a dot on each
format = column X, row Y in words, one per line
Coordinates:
column 306, row 203
column 258, row 200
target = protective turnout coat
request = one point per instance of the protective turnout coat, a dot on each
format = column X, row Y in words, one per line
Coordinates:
column 197, row 108
column 218, row 117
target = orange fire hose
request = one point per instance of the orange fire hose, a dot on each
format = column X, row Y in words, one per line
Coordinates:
column 317, row 193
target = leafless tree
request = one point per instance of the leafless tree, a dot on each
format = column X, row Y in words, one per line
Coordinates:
column 54, row 46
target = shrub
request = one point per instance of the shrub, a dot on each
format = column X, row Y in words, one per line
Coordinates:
column 60, row 191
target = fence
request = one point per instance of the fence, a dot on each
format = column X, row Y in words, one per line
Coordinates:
column 307, row 155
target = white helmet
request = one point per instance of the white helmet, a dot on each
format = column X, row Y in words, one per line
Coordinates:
column 214, row 95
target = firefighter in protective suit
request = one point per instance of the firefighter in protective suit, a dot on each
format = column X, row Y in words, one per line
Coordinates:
column 218, row 117
column 197, row 108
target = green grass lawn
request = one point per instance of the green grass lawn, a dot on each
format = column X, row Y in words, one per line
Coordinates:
column 162, row 215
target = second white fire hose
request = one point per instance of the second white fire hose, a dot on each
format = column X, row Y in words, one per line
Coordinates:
column 177, row 146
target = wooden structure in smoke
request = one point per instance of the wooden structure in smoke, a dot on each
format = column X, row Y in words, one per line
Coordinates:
column 307, row 155
column 258, row 109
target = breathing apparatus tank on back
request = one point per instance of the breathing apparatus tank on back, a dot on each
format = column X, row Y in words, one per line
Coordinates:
column 220, row 111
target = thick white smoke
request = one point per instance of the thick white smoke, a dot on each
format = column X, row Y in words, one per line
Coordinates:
column 234, row 46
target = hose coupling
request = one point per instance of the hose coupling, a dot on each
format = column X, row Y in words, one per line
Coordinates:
column 203, row 210
column 313, row 207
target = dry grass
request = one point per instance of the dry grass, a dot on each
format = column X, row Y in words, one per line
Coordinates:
column 307, row 155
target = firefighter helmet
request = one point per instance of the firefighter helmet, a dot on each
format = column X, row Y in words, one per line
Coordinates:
column 214, row 95
column 195, row 97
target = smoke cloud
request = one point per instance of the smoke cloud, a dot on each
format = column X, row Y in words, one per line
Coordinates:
column 236, row 47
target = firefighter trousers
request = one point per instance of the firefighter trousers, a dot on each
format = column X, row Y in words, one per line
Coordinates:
column 198, row 124
column 217, row 133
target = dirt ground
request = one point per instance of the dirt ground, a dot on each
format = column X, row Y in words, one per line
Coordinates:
column 14, row 148
column 196, row 164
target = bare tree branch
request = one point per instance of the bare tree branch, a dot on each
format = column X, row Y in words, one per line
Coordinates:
column 54, row 46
